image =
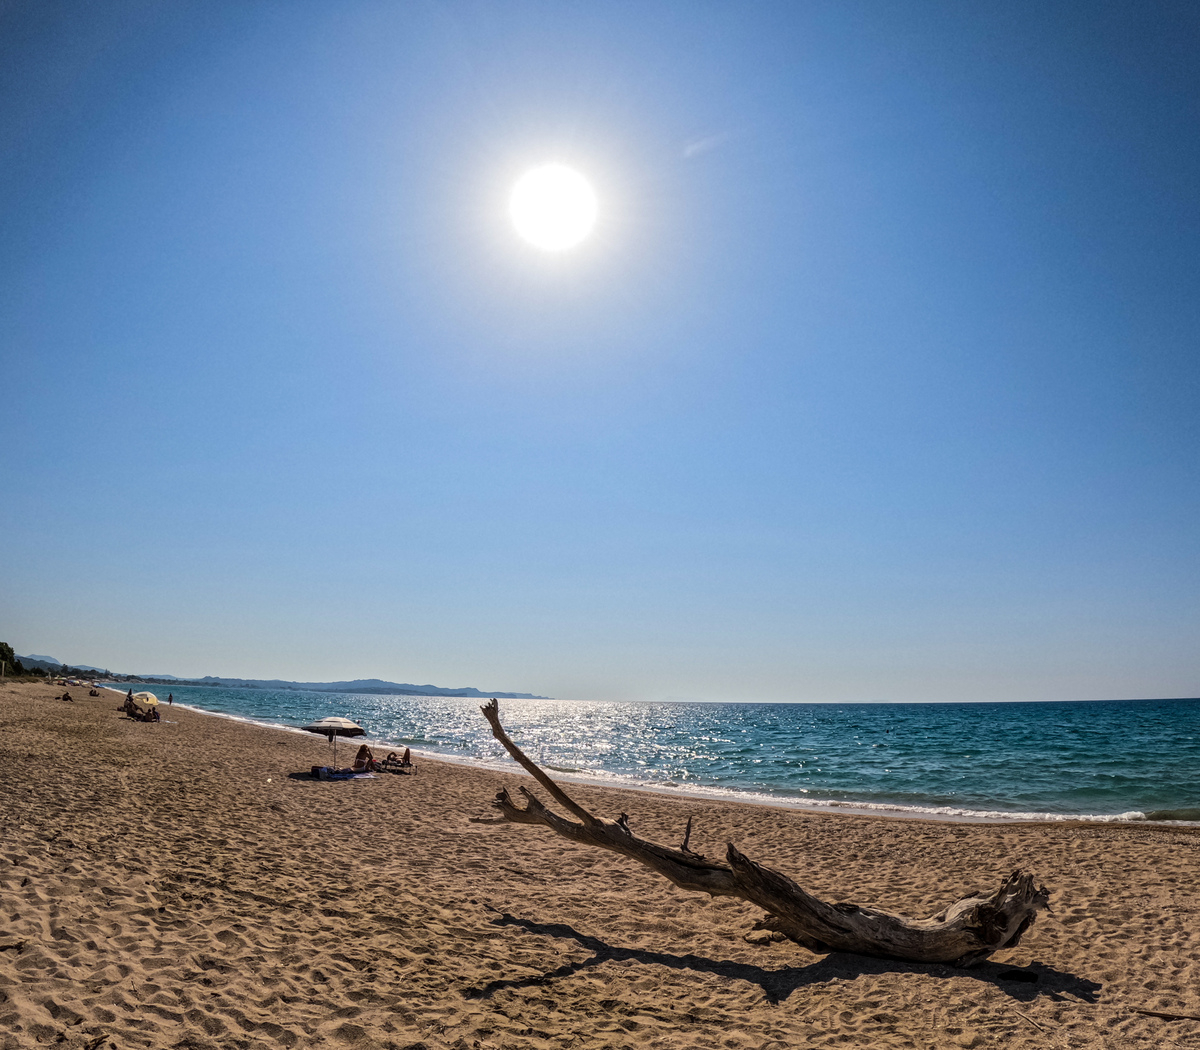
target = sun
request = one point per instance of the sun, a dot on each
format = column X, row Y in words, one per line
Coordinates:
column 553, row 207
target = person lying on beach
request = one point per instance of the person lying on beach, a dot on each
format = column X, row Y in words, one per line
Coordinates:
column 405, row 763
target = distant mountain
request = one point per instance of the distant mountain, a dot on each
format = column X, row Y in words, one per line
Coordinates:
column 43, row 663
column 359, row 685
column 48, row 663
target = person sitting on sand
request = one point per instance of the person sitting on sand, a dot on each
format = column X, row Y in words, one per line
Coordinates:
column 364, row 761
column 131, row 708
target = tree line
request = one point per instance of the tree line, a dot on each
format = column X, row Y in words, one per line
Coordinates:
column 13, row 668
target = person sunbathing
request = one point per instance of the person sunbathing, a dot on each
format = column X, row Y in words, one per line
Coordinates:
column 364, row 761
column 405, row 763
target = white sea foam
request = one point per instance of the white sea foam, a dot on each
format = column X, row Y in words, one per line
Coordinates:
column 946, row 813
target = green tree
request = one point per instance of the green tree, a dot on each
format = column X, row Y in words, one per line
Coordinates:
column 11, row 664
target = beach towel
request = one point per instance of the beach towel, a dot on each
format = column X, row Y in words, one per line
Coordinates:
column 325, row 773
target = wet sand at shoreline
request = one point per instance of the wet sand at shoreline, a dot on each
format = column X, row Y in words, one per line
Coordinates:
column 186, row 884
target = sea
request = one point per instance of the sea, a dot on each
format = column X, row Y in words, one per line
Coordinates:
column 1109, row 760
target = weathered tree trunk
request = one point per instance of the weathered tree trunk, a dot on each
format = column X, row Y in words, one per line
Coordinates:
column 964, row 934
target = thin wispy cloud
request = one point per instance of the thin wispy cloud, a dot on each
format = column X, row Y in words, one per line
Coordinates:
column 698, row 146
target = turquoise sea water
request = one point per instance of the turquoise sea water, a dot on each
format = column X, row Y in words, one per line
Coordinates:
column 1115, row 760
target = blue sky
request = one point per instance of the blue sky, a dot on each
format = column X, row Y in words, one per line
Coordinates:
column 877, row 380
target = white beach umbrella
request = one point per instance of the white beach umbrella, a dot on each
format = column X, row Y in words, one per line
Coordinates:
column 146, row 699
column 333, row 727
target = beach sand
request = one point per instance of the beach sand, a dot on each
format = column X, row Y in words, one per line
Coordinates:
column 179, row 885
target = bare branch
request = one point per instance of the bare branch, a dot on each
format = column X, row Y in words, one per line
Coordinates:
column 687, row 837
column 491, row 711
column 965, row 933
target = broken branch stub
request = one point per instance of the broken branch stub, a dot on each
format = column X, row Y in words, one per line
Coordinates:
column 965, row 933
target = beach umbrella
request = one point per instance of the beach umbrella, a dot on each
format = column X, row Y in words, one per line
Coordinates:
column 146, row 699
column 333, row 727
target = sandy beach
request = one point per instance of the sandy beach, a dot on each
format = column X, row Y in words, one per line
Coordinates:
column 187, row 884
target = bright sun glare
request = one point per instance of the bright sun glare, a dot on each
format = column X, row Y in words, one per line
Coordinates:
column 553, row 207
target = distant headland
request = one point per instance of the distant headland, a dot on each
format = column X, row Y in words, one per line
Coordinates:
column 44, row 665
column 359, row 685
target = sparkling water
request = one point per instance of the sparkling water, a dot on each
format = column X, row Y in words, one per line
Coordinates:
column 1113, row 760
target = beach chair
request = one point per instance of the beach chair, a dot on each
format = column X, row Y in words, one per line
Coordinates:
column 404, row 766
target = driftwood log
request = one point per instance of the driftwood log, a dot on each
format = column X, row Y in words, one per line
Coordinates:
column 965, row 933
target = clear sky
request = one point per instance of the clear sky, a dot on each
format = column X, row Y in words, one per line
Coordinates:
column 878, row 378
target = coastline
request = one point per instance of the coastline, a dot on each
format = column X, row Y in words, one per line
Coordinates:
column 694, row 794
column 710, row 793
column 186, row 883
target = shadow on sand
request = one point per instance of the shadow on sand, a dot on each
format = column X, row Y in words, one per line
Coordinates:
column 1024, row 985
